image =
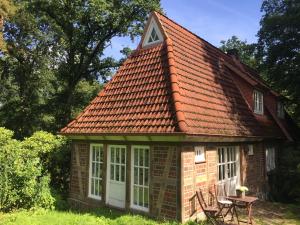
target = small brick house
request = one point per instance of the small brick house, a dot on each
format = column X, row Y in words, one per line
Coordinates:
column 179, row 114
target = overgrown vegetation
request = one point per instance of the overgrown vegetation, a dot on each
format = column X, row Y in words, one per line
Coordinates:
column 26, row 169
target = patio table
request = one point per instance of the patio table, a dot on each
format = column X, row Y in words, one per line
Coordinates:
column 246, row 202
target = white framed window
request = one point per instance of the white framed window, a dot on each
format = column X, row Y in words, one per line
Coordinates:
column 140, row 169
column 258, row 102
column 117, row 163
column 227, row 164
column 280, row 110
column 95, row 171
column 228, row 168
column 270, row 159
column 199, row 154
column 153, row 34
column 250, row 150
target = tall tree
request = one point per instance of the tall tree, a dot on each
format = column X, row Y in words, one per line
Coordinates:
column 83, row 29
column 279, row 49
column 25, row 74
column 246, row 51
column 55, row 58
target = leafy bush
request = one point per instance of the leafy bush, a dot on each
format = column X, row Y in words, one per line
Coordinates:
column 54, row 153
column 285, row 181
column 25, row 169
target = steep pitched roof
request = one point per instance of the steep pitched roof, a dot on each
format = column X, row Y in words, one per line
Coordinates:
column 182, row 85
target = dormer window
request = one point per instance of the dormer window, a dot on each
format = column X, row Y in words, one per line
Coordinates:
column 153, row 37
column 280, row 110
column 258, row 102
column 153, row 34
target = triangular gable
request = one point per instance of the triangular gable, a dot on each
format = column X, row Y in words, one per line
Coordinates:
column 153, row 33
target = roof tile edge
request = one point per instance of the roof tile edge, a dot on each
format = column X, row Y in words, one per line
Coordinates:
column 175, row 88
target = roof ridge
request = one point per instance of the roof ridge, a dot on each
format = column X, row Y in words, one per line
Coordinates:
column 175, row 87
column 257, row 79
column 211, row 45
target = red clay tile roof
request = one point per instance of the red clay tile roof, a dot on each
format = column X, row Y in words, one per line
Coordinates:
column 137, row 100
column 181, row 85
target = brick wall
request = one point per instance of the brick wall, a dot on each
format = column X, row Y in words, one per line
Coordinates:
column 253, row 169
column 183, row 179
column 204, row 175
column 169, row 205
column 77, row 197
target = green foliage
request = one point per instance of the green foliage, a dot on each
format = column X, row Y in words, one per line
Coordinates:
column 7, row 9
column 55, row 58
column 246, row 51
column 279, row 44
column 285, row 181
column 24, row 169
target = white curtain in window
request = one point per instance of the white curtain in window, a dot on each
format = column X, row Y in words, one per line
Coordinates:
column 270, row 158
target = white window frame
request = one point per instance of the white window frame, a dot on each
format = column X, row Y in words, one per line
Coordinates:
column 258, row 102
column 90, row 195
column 270, row 158
column 132, row 205
column 226, row 162
column 116, row 164
column 280, row 110
column 199, row 154
column 152, row 25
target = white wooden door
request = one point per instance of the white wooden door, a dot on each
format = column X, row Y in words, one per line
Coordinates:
column 229, row 168
column 116, row 176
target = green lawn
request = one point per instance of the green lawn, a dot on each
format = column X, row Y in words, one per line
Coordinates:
column 96, row 217
column 265, row 213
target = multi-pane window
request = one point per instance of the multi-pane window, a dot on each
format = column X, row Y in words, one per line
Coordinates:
column 96, row 171
column 140, row 185
column 270, row 159
column 258, row 102
column 280, row 110
column 117, row 163
column 153, row 36
column 199, row 154
column 227, row 163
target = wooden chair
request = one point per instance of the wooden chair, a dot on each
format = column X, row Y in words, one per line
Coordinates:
column 222, row 202
column 211, row 212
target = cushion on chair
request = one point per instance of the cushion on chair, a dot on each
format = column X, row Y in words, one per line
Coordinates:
column 225, row 202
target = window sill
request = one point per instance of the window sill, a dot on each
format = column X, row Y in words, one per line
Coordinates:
column 200, row 162
column 96, row 198
column 139, row 208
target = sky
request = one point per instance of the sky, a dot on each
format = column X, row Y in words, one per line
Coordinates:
column 212, row 20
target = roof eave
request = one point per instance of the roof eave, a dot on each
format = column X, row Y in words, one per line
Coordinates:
column 165, row 137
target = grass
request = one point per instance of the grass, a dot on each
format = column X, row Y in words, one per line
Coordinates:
column 265, row 213
column 103, row 216
column 270, row 213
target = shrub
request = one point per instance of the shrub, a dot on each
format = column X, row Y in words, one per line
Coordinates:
column 285, row 181
column 24, row 169
column 54, row 153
